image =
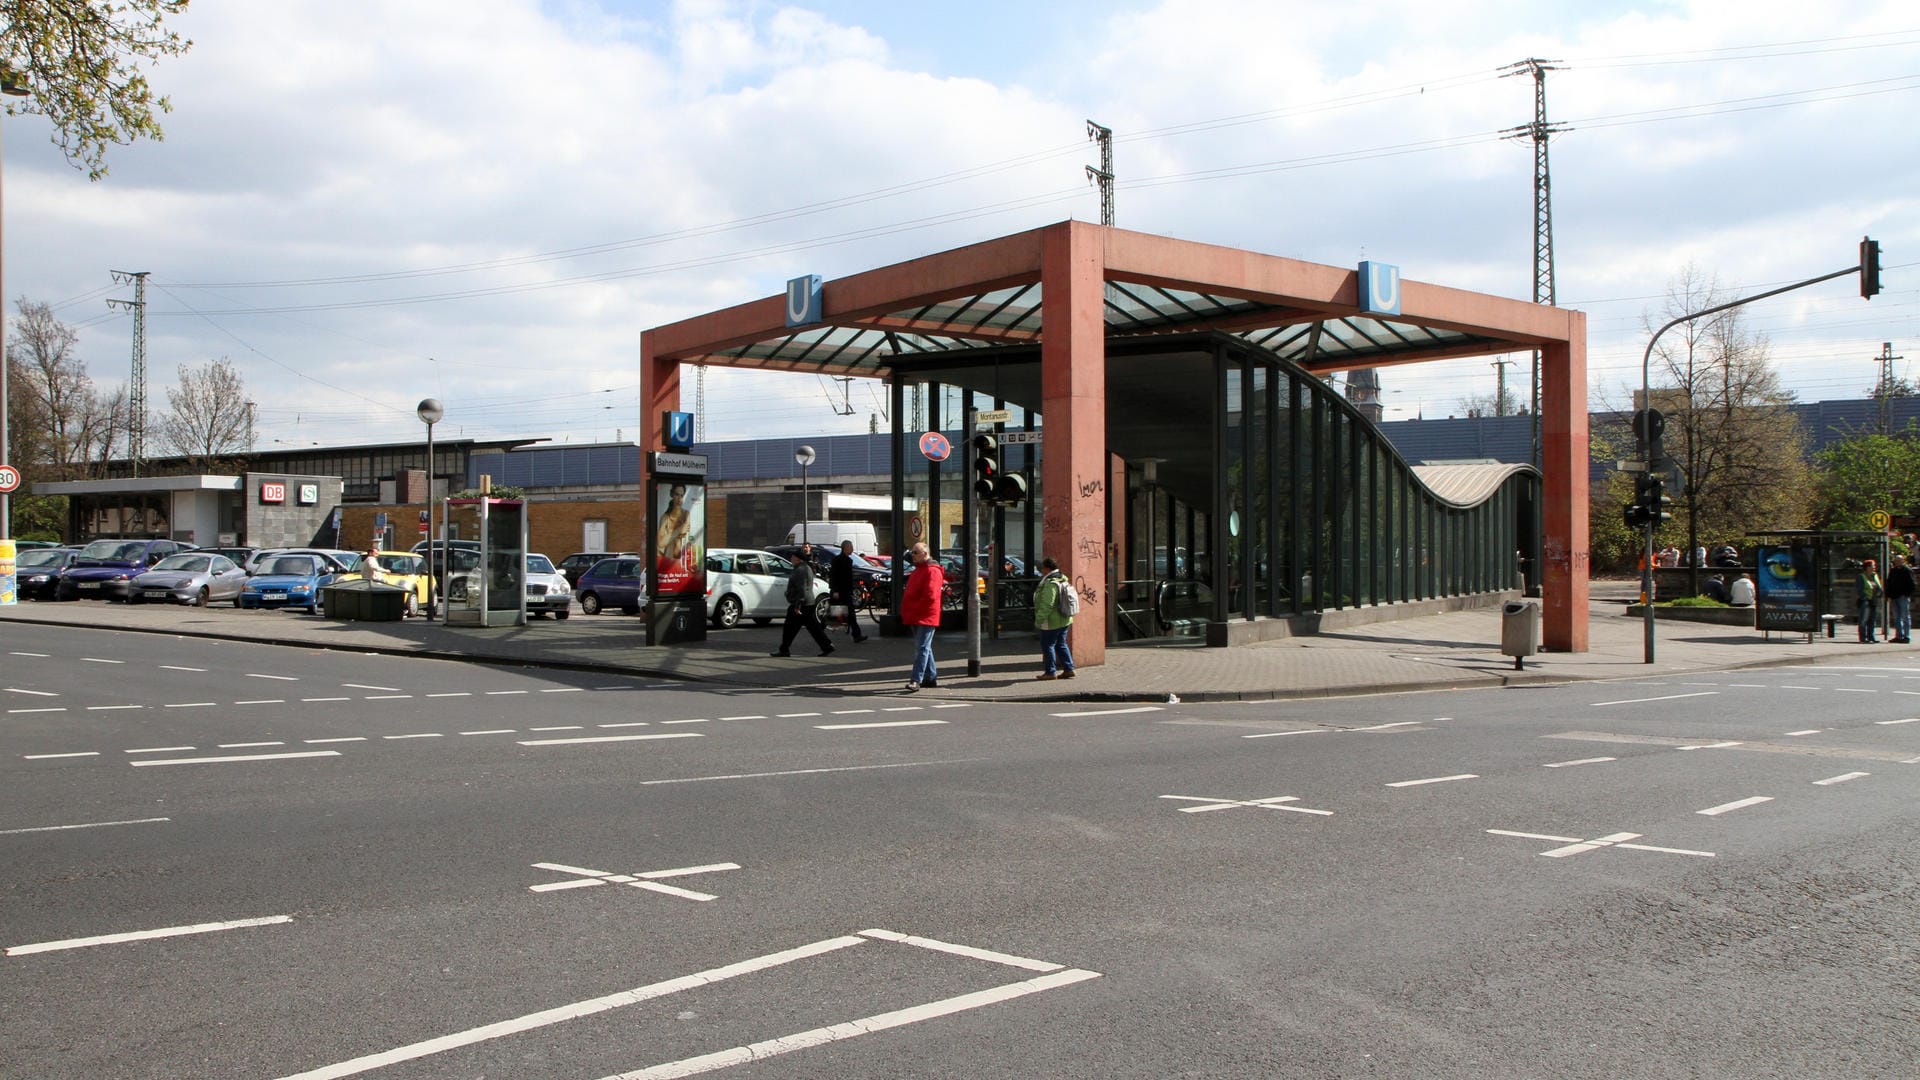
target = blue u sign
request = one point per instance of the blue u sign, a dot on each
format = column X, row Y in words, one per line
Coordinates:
column 803, row 300
column 1379, row 288
column 679, row 430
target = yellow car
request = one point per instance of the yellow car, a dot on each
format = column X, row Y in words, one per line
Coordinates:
column 401, row 568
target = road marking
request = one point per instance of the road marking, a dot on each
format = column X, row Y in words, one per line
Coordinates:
column 697, row 720
column 850, row 712
column 112, row 708
column 161, row 749
column 236, row 757
column 612, row 738
column 40, row 655
column 648, row 880
column 387, row 697
column 1841, row 779
column 1726, row 808
column 503, row 693
column 792, row 715
column 419, row 735
column 364, row 686
column 43, row 757
column 59, row 708
column 264, row 701
column 743, row 718
column 956, row 705
column 1277, row 734
column 560, row 727
column 1853, row 690
column 1710, row 746
column 35, row 693
column 88, row 825
column 144, row 935
column 1748, row 685
column 1096, row 712
column 628, row 723
column 902, row 708
column 243, row 745
column 877, row 724
column 1806, row 731
column 1889, row 723
column 804, row 772
column 1385, row 727
column 278, row 678
column 494, row 731
column 1666, row 697
column 97, row 660
column 1434, row 780
column 1576, row 846
column 565, row 690
column 574, row 1011
column 325, row 699
column 1577, row 761
column 344, row 738
column 1274, row 803
column 191, row 705
column 1787, row 687
column 455, row 693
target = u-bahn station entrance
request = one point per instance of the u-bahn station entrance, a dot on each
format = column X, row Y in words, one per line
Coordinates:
column 1187, row 465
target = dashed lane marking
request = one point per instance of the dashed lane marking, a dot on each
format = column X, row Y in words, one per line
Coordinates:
column 112, row 708
column 1277, row 734
column 1890, row 723
column 343, row 738
column 236, row 757
column 1805, row 731
column 455, row 693
column 364, row 686
column 276, row 678
column 1577, row 761
column 805, row 772
column 877, row 724
column 1737, row 804
column 144, row 935
column 504, row 693
column 747, row 717
column 611, row 738
column 417, row 735
column 1663, row 697
column 313, row 699
column 37, row 655
column 1841, row 779
column 47, row 757
column 33, row 693
column 62, row 708
column 1387, row 727
column 264, row 701
column 1097, row 712
column 387, row 697
column 162, row 750
column 564, row 690
column 192, row 705
column 177, row 667
column 559, row 727
column 792, row 715
column 696, row 720
column 245, row 745
column 1434, row 780
column 87, row 825
column 1710, row 746
column 98, row 660
column 494, row 731
column 629, row 723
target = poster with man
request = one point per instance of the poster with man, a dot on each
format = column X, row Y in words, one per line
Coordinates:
column 680, row 542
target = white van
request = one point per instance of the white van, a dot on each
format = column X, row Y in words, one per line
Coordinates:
column 830, row 533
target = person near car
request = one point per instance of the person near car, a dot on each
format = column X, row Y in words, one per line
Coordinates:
column 1900, row 601
column 800, row 606
column 1869, row 590
column 920, row 613
column 1056, row 658
column 840, row 585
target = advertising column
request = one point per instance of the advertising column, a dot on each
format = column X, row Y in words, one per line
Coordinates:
column 1784, row 589
column 677, row 547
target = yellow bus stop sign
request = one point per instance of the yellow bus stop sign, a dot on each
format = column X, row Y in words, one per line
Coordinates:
column 1879, row 520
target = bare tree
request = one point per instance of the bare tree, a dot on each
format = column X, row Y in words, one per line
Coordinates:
column 52, row 401
column 209, row 419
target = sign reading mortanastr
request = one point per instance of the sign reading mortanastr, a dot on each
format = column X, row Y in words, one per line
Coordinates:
column 671, row 464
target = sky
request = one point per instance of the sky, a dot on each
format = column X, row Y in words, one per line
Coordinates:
column 360, row 203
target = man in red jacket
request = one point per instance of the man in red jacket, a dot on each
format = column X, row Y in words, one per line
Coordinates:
column 920, row 613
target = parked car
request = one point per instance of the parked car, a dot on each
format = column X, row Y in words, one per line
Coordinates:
column 289, row 579
column 192, row 578
column 582, row 561
column 239, row 555
column 752, row 584
column 38, row 572
column 105, row 569
column 869, row 580
column 466, row 556
column 548, row 591
column 613, row 583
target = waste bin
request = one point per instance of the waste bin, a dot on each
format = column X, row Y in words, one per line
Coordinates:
column 1520, row 630
column 370, row 601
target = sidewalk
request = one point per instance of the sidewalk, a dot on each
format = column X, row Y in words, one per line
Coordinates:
column 1458, row 650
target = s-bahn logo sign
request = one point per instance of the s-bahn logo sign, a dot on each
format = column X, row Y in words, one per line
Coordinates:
column 1379, row 288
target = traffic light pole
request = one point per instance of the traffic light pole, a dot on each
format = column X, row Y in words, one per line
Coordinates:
column 975, row 506
column 1869, row 265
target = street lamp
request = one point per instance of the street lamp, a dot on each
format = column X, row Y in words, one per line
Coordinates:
column 12, row 88
column 431, row 413
column 804, row 455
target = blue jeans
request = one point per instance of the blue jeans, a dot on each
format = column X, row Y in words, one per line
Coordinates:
column 923, row 669
column 1054, row 650
column 1902, row 609
column 1869, row 619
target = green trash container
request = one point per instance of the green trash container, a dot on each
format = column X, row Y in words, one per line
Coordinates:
column 364, row 601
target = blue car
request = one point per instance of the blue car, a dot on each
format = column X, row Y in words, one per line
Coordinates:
column 284, row 581
column 612, row 583
column 105, row 569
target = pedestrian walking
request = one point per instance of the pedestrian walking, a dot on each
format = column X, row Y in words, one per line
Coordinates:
column 1869, row 589
column 1055, row 602
column 800, row 607
column 840, row 582
column 1900, row 600
column 920, row 612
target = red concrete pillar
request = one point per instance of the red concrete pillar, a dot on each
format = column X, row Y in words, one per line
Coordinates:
column 1073, row 404
column 1563, row 460
column 659, row 393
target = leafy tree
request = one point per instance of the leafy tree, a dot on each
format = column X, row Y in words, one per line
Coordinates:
column 1869, row 472
column 1740, row 449
column 80, row 60
column 211, row 420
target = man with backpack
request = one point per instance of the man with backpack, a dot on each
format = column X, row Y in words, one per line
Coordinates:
column 1055, row 603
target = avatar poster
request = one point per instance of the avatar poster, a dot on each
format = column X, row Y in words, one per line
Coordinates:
column 1784, row 591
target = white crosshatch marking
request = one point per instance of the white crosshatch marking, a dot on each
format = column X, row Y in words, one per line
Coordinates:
column 648, row 880
column 1277, row 802
column 1573, row 845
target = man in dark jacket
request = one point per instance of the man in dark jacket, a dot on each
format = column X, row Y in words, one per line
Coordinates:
column 1900, row 599
column 800, row 607
column 840, row 581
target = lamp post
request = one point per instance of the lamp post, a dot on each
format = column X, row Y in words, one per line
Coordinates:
column 431, row 413
column 12, row 89
column 804, row 455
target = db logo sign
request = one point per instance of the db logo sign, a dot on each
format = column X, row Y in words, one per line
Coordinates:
column 273, row 493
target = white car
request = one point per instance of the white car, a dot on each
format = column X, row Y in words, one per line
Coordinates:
column 547, row 590
column 744, row 583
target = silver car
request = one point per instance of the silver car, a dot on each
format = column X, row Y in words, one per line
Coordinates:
column 191, row 578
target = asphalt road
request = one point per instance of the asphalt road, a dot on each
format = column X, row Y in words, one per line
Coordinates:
column 398, row 867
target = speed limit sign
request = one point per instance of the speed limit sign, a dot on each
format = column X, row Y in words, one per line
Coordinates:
column 9, row 478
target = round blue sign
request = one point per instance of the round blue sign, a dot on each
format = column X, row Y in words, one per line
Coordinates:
column 935, row 446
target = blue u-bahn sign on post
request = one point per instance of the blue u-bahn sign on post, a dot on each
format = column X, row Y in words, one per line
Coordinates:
column 803, row 300
column 1379, row 288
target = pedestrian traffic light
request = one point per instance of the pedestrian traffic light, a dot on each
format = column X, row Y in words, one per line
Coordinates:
column 1010, row 488
column 1869, row 268
column 1659, row 503
column 986, row 466
column 1649, row 425
column 1634, row 515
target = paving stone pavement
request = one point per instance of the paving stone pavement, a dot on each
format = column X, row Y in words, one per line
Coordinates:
column 1454, row 650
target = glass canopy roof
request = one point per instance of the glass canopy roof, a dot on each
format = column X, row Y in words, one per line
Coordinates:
column 1011, row 316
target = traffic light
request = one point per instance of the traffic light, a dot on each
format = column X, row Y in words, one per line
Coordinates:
column 1659, row 503
column 1634, row 515
column 986, row 466
column 1869, row 268
column 1010, row 488
column 1649, row 425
